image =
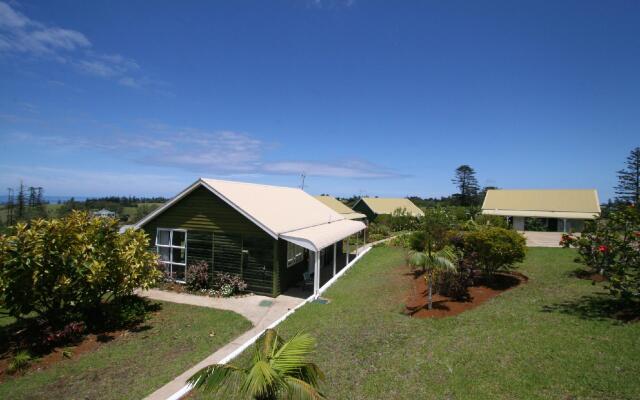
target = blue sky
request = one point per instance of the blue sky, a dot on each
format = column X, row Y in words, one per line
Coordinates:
column 366, row 97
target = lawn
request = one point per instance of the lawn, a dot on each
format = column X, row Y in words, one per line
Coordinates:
column 548, row 338
column 133, row 365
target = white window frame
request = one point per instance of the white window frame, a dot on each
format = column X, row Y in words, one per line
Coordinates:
column 171, row 246
column 297, row 256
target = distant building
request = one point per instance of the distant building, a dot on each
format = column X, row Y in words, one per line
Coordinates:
column 104, row 213
column 339, row 207
column 374, row 206
column 563, row 210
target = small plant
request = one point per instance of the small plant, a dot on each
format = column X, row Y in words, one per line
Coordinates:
column 198, row 276
column 280, row 369
column 225, row 284
column 71, row 332
column 19, row 362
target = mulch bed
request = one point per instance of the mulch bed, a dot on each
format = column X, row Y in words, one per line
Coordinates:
column 483, row 290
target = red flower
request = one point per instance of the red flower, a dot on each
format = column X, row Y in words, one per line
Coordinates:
column 602, row 248
column 637, row 233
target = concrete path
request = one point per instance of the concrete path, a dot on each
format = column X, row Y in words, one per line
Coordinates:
column 260, row 310
column 543, row 239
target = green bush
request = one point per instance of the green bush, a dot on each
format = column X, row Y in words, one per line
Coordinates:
column 403, row 241
column 491, row 220
column 611, row 247
column 63, row 269
column 493, row 249
column 399, row 220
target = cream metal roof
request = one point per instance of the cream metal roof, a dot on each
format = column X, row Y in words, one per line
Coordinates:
column 549, row 203
column 318, row 237
column 381, row 205
column 340, row 207
column 280, row 211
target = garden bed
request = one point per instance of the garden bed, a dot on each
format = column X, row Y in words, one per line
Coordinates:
column 482, row 291
column 124, row 364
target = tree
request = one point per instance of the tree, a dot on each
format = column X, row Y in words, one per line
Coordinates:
column 429, row 247
column 279, row 370
column 64, row 268
column 433, row 262
column 465, row 180
column 628, row 188
column 20, row 206
column 10, row 206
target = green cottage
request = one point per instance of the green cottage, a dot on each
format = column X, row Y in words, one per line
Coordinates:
column 374, row 206
column 272, row 237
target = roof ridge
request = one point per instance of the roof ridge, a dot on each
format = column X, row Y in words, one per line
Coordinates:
column 249, row 183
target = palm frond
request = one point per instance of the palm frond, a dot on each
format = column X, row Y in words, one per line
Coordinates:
column 298, row 389
column 417, row 259
column 293, row 353
column 310, row 373
column 217, row 378
column 261, row 381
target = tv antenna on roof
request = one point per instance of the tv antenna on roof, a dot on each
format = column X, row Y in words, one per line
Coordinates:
column 303, row 176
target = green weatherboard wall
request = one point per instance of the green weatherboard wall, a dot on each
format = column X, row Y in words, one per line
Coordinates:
column 229, row 242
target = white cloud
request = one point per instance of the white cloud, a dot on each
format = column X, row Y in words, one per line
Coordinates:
column 65, row 181
column 205, row 152
column 11, row 18
column 342, row 169
column 22, row 35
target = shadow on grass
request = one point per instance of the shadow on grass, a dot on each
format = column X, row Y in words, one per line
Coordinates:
column 587, row 274
column 33, row 333
column 600, row 306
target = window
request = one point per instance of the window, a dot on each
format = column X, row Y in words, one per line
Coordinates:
column 171, row 245
column 295, row 254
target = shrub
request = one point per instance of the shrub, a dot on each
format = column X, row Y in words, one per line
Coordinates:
column 455, row 284
column 417, row 241
column 225, row 284
column 403, row 241
column 19, row 362
column 494, row 249
column 62, row 268
column 198, row 276
column 399, row 220
column 491, row 220
column 612, row 247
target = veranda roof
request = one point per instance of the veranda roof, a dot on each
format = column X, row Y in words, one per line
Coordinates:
column 340, row 207
column 546, row 203
column 318, row 237
column 380, row 205
column 282, row 212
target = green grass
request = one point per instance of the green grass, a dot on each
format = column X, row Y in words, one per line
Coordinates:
column 548, row 338
column 133, row 366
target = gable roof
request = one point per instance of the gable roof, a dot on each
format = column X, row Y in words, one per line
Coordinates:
column 544, row 203
column 339, row 207
column 277, row 210
column 380, row 205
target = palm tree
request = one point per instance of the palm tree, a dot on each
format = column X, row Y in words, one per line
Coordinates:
column 432, row 262
column 279, row 370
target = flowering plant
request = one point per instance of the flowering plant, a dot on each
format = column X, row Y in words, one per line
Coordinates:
column 611, row 247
